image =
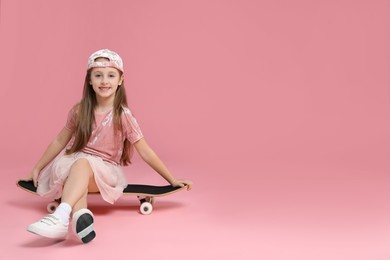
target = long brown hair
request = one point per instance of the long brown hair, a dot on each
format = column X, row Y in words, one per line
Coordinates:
column 86, row 117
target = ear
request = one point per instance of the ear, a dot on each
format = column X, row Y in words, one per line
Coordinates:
column 121, row 80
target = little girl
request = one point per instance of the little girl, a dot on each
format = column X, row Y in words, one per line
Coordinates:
column 86, row 155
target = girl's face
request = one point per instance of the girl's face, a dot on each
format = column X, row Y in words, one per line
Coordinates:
column 105, row 82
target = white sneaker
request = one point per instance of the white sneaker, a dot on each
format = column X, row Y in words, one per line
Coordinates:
column 50, row 226
column 82, row 225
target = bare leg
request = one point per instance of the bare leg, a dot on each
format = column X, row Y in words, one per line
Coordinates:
column 79, row 182
column 81, row 203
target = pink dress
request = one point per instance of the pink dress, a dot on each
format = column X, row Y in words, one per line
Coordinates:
column 103, row 152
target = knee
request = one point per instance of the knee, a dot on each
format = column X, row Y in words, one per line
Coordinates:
column 82, row 166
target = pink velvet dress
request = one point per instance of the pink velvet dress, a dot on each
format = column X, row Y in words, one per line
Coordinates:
column 103, row 152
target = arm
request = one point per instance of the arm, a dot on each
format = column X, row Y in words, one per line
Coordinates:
column 152, row 159
column 54, row 148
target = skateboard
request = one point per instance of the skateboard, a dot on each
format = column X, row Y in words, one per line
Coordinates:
column 144, row 193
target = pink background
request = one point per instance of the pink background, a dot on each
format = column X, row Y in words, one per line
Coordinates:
column 278, row 111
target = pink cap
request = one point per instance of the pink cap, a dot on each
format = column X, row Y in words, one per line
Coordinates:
column 115, row 60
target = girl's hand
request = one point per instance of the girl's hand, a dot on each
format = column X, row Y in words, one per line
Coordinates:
column 33, row 176
column 182, row 183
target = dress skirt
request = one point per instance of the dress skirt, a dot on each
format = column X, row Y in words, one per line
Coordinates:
column 109, row 177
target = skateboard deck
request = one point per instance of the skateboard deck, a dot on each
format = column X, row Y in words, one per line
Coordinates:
column 145, row 194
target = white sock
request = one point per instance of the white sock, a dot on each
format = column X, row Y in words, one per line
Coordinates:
column 63, row 212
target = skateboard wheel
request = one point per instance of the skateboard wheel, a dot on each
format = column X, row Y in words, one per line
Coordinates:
column 146, row 208
column 51, row 207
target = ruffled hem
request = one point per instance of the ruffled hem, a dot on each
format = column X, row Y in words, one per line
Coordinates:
column 109, row 177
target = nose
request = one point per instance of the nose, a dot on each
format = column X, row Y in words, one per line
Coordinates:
column 104, row 80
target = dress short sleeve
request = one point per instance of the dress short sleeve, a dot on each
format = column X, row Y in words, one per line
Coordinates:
column 132, row 130
column 71, row 121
